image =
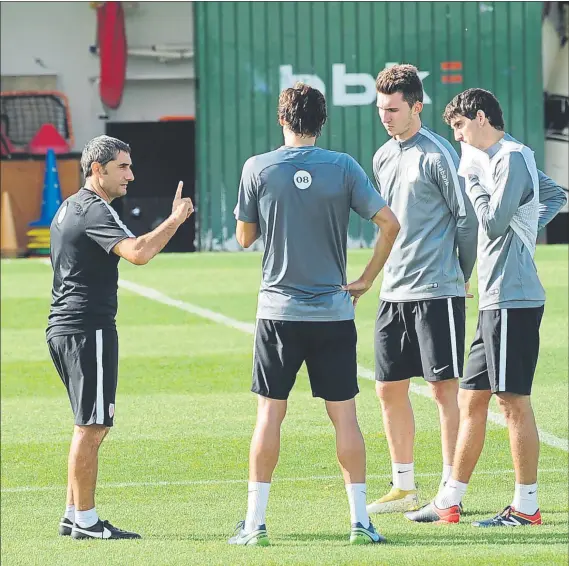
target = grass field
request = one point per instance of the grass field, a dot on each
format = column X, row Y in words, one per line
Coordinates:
column 174, row 468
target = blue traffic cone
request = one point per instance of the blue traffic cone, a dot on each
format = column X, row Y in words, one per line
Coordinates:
column 51, row 197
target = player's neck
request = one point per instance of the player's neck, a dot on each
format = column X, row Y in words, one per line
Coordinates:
column 492, row 137
column 293, row 140
column 93, row 186
column 413, row 129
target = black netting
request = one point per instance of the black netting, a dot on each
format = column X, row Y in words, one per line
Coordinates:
column 22, row 115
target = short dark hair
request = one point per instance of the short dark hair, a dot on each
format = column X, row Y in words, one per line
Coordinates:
column 468, row 103
column 401, row 78
column 303, row 108
column 101, row 149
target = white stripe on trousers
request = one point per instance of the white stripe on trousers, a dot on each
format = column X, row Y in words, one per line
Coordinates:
column 452, row 338
column 100, row 406
column 503, row 349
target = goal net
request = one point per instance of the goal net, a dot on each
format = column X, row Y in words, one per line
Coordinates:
column 23, row 113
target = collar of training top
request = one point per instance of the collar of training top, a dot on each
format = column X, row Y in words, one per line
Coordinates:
column 409, row 142
column 494, row 149
column 298, row 146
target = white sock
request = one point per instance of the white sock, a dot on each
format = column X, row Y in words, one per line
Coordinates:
column 447, row 473
column 86, row 519
column 403, row 476
column 451, row 494
column 525, row 499
column 70, row 513
column 256, row 505
column 357, row 500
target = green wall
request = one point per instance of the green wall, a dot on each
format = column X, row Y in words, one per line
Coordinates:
column 243, row 48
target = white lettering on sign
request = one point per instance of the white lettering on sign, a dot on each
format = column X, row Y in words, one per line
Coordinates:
column 288, row 79
column 341, row 80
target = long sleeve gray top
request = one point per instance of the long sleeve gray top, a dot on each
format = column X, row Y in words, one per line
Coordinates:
column 435, row 251
column 510, row 213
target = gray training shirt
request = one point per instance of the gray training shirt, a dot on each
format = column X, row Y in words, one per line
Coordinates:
column 510, row 215
column 301, row 199
column 418, row 179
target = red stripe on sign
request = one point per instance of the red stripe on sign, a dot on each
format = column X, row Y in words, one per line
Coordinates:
column 451, row 66
column 451, row 79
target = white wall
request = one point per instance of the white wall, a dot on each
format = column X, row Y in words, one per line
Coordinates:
column 53, row 38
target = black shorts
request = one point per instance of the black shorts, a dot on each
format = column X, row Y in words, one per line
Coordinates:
column 504, row 352
column 328, row 348
column 88, row 366
column 420, row 339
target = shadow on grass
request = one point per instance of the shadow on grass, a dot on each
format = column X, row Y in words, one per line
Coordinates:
column 275, row 540
column 426, row 535
column 546, row 514
column 477, row 537
column 434, row 536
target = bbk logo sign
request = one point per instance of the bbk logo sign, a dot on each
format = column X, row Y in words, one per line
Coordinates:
column 341, row 80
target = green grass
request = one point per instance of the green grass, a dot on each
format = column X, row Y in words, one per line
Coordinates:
column 184, row 417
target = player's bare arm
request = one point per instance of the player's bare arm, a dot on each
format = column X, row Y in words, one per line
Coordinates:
column 389, row 227
column 141, row 250
column 247, row 233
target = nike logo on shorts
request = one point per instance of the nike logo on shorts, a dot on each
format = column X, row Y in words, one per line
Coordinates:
column 436, row 371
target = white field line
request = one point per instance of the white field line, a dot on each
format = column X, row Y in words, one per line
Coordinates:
column 249, row 328
column 497, row 418
column 153, row 294
column 276, row 479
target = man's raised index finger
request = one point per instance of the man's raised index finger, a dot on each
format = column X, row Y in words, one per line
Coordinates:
column 179, row 189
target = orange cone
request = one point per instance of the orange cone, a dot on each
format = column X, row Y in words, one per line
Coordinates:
column 9, row 241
